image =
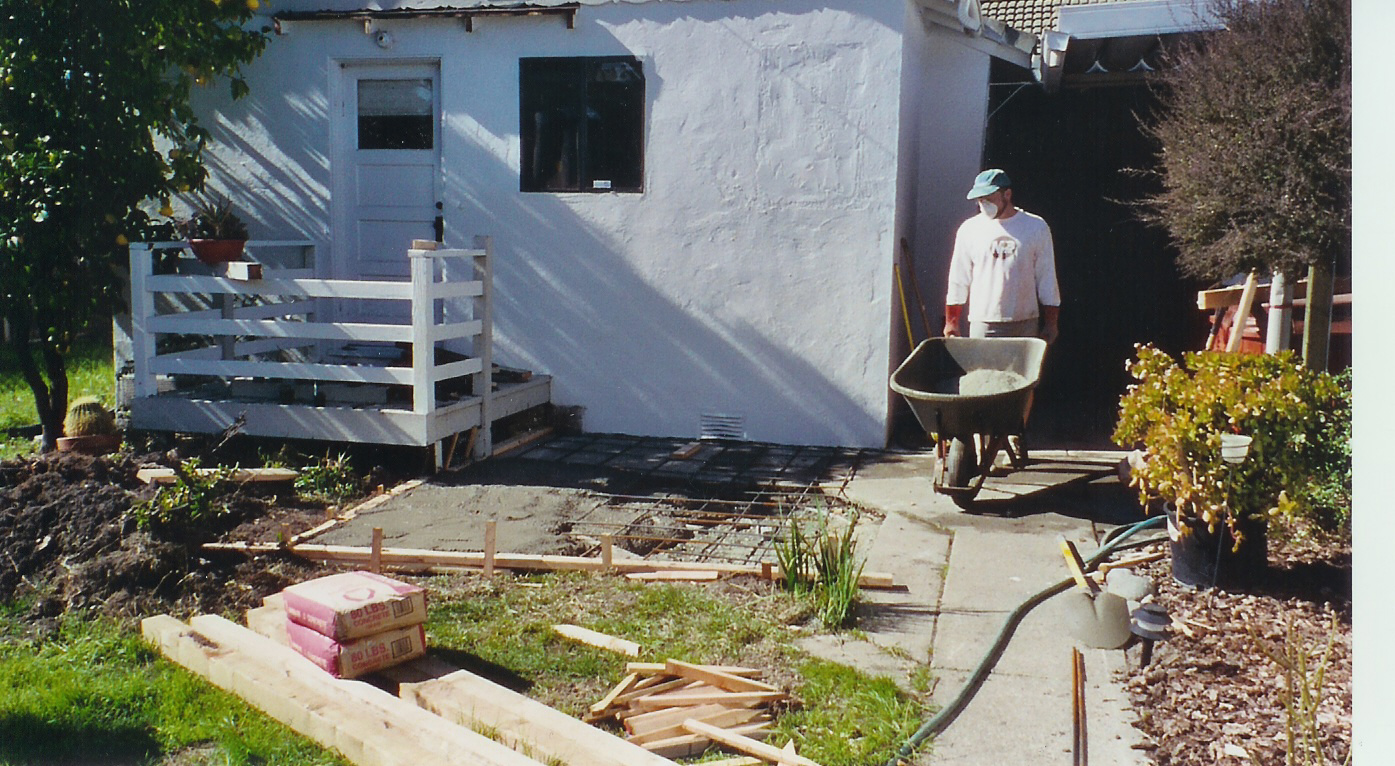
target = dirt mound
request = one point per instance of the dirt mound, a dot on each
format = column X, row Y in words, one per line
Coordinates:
column 70, row 542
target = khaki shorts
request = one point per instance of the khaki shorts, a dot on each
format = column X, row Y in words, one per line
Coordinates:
column 1024, row 328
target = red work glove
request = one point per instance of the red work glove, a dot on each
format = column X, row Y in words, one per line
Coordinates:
column 953, row 313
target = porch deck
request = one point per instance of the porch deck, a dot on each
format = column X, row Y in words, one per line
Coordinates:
column 294, row 355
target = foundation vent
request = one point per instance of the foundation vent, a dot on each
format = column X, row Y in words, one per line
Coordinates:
column 717, row 426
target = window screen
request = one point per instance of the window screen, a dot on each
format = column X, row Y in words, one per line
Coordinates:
column 396, row 114
column 582, row 124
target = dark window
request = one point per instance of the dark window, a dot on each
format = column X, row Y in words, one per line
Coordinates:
column 582, row 124
column 396, row 114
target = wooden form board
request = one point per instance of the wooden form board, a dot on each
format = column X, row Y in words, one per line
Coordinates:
column 422, row 560
column 741, row 743
column 240, row 475
column 368, row 726
column 598, row 640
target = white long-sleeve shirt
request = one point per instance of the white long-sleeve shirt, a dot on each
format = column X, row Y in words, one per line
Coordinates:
column 1003, row 268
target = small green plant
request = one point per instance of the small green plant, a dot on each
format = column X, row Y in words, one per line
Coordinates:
column 823, row 563
column 87, row 416
column 1304, row 676
column 193, row 497
column 330, row 478
column 1299, row 421
column 213, row 218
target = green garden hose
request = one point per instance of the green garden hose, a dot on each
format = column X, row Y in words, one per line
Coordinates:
column 941, row 720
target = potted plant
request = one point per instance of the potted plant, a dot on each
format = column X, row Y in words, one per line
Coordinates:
column 215, row 233
column 1276, row 419
column 89, row 428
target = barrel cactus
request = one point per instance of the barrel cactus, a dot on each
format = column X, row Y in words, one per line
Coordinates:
column 87, row 416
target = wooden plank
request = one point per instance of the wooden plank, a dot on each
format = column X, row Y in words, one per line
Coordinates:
column 550, row 734
column 598, row 639
column 695, row 744
column 651, row 668
column 685, row 697
column 423, row 559
column 605, row 702
column 745, row 744
column 744, row 760
column 444, row 741
column 298, row 288
column 706, row 575
column 648, row 723
column 240, row 475
column 491, row 536
column 367, row 725
column 686, row 451
column 1242, row 313
column 727, row 681
column 662, row 687
column 715, row 715
column 242, row 271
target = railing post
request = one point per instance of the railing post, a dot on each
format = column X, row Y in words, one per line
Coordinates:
column 484, row 349
column 142, row 311
column 423, row 349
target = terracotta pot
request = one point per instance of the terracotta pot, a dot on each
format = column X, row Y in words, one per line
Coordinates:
column 216, row 251
column 94, row 444
column 1202, row 559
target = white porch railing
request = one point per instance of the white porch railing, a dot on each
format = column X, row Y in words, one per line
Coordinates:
column 282, row 327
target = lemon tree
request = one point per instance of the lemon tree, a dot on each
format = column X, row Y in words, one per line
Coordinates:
column 95, row 121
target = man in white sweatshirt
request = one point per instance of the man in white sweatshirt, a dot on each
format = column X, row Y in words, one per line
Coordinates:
column 1003, row 268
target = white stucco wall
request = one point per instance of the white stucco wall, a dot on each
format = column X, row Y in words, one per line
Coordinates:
column 944, row 118
column 752, row 277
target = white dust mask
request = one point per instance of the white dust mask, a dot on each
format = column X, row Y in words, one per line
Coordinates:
column 989, row 209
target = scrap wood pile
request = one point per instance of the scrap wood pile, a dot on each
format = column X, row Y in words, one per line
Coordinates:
column 657, row 702
column 439, row 709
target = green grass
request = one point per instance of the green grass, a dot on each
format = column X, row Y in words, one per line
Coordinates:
column 95, row 693
column 845, row 717
column 89, row 373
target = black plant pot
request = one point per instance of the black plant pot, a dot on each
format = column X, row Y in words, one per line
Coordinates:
column 1202, row 559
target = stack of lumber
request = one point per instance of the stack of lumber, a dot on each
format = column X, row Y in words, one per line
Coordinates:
column 353, row 623
column 657, row 703
column 367, row 725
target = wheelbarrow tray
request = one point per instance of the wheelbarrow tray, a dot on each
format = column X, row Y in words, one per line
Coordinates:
column 936, row 381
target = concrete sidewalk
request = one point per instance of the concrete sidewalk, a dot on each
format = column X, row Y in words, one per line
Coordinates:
column 965, row 572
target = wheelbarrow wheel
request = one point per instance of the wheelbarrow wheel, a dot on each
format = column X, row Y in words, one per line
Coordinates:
column 960, row 463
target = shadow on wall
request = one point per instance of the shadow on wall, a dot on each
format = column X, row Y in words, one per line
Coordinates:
column 570, row 300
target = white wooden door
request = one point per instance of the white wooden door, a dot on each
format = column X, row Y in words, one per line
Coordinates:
column 388, row 166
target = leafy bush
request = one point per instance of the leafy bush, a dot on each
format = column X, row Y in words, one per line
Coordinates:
column 1299, row 420
column 191, row 499
column 1254, row 132
column 330, row 478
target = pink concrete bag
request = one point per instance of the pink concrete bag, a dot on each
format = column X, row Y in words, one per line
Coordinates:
column 360, row 656
column 354, row 604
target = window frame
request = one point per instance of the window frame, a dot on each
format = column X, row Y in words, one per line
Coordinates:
column 575, row 79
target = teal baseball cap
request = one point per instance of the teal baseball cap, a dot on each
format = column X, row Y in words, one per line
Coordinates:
column 989, row 181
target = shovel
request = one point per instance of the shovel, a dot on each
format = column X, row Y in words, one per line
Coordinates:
column 1096, row 618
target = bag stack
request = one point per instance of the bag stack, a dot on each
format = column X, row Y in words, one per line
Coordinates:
column 354, row 623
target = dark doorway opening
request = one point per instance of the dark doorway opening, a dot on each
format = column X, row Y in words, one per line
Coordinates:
column 1074, row 157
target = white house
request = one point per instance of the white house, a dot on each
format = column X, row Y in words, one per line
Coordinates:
column 695, row 205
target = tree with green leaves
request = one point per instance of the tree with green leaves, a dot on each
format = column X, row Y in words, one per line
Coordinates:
column 1254, row 129
column 95, row 125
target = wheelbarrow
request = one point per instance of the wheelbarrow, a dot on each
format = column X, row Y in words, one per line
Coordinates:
column 968, row 391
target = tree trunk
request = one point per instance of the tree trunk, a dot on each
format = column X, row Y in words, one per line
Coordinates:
column 51, row 397
column 1317, row 319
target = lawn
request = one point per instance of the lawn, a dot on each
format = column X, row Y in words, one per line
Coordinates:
column 89, row 373
column 93, row 691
